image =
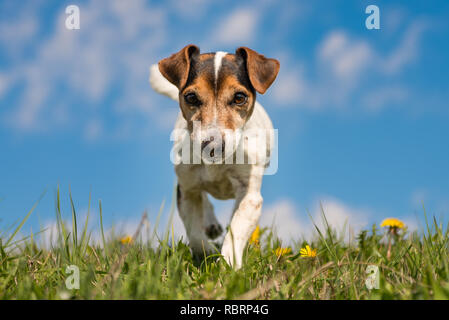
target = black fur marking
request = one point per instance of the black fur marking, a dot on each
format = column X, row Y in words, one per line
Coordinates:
column 178, row 195
column 238, row 68
column 198, row 67
column 207, row 68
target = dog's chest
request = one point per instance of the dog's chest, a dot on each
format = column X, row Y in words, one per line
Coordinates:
column 213, row 179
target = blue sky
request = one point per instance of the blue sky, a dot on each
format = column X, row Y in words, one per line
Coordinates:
column 362, row 114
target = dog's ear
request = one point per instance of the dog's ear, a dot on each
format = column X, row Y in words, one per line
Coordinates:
column 261, row 71
column 176, row 67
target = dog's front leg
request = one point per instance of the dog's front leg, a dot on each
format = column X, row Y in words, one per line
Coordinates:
column 190, row 207
column 248, row 207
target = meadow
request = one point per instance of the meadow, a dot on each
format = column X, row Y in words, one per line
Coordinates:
column 378, row 263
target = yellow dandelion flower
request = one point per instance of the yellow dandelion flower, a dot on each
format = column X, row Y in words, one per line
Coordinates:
column 254, row 239
column 307, row 252
column 393, row 223
column 126, row 240
column 283, row 251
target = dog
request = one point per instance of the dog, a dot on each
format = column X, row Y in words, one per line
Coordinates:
column 217, row 95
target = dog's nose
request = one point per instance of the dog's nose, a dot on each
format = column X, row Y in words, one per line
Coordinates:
column 204, row 144
column 213, row 147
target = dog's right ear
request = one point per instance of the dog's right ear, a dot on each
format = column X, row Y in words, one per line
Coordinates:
column 176, row 67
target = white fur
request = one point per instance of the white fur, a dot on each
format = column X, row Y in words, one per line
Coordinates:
column 162, row 85
column 218, row 58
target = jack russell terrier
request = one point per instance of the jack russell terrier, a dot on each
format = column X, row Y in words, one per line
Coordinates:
column 217, row 97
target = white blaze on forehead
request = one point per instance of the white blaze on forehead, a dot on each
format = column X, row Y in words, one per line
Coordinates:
column 217, row 63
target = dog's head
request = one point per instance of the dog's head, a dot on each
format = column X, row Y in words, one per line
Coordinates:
column 218, row 90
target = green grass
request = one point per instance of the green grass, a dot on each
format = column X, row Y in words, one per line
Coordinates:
column 156, row 268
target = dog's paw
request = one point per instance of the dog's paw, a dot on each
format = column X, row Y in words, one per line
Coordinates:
column 213, row 230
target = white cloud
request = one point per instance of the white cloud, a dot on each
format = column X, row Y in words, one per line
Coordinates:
column 292, row 223
column 238, row 27
column 344, row 57
column 407, row 50
column 353, row 61
column 284, row 216
column 341, row 66
column 378, row 98
column 330, row 80
column 348, row 57
column 333, row 45
column 339, row 214
column 105, row 55
column 289, row 87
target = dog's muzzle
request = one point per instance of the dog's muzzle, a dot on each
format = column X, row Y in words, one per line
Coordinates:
column 212, row 143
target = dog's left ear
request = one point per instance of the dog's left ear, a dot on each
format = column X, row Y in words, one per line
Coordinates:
column 176, row 67
column 261, row 71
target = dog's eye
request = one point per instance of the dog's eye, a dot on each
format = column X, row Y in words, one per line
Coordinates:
column 240, row 98
column 192, row 99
